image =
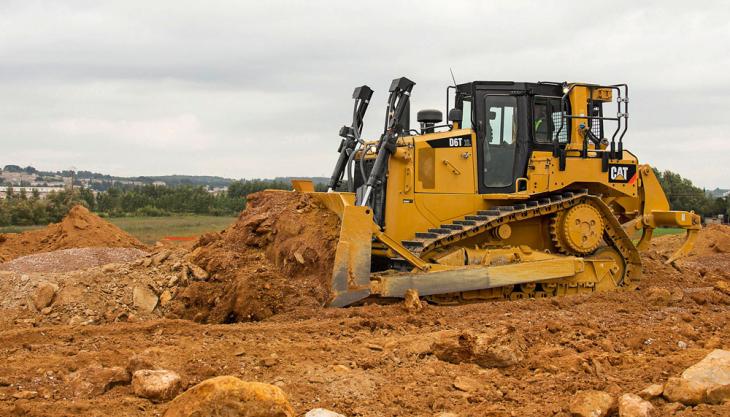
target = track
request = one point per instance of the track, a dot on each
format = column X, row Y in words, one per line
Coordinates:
column 425, row 244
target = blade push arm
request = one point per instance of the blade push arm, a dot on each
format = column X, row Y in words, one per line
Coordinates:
column 400, row 92
column 350, row 135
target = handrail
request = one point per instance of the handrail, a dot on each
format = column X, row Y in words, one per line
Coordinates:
column 622, row 102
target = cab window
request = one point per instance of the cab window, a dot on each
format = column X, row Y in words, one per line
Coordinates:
column 466, row 114
column 546, row 121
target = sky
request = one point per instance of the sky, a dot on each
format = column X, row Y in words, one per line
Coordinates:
column 260, row 89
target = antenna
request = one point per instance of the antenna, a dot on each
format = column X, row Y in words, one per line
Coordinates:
column 452, row 76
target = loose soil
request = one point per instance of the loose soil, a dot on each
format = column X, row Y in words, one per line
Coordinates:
column 272, row 267
column 79, row 229
column 277, row 257
column 67, row 260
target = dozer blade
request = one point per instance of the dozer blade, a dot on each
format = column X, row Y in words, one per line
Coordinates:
column 351, row 272
column 471, row 278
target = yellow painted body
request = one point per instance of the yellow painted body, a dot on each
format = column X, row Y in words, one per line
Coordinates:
column 429, row 186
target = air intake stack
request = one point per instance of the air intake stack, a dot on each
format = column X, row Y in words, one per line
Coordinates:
column 428, row 118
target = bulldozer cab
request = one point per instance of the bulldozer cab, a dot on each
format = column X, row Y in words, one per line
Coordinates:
column 511, row 120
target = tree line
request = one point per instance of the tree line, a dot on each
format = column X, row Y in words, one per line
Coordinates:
column 683, row 195
column 21, row 209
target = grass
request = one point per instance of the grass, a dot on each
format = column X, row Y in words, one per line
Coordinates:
column 18, row 229
column 668, row 231
column 151, row 229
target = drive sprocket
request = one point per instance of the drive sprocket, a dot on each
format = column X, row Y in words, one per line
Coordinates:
column 577, row 230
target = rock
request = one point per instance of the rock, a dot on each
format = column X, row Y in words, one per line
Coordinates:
column 652, row 391
column 298, row 256
column 631, row 405
column 183, row 274
column 658, row 296
column 682, row 345
column 147, row 359
column 446, row 414
column 25, row 395
column 44, row 294
column 706, row 381
column 321, row 412
column 676, row 296
column 165, row 297
column 96, row 380
column 173, row 281
column 108, row 268
column 229, row 396
column 684, row 391
column 198, row 273
column 465, row 384
column 671, row 408
column 46, row 311
column 712, row 370
column 592, row 404
column 144, row 299
column 270, row 361
column 160, row 257
column 722, row 245
column 499, row 349
column 722, row 286
column 156, row 385
column 713, row 343
column 718, row 394
column 341, row 368
column 411, row 301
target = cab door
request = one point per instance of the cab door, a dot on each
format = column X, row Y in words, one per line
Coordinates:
column 501, row 144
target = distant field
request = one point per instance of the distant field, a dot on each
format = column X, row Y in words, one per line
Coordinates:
column 151, row 229
column 17, row 229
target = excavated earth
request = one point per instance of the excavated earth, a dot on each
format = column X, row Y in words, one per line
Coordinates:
column 248, row 302
column 79, row 229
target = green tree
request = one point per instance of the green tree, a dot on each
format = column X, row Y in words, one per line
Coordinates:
column 685, row 196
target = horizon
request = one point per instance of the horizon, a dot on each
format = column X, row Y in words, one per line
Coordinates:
column 713, row 187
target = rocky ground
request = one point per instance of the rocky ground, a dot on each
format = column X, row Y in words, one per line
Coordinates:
column 126, row 337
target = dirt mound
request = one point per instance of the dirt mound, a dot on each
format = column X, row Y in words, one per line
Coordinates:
column 708, row 260
column 79, row 229
column 712, row 240
column 276, row 257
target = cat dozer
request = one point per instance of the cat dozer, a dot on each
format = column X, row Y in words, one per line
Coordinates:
column 525, row 191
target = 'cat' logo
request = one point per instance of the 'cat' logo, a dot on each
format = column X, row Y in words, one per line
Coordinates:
column 621, row 173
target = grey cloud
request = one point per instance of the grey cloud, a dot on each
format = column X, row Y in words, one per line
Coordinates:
column 251, row 89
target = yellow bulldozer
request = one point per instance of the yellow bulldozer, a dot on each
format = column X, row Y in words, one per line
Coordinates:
column 525, row 191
